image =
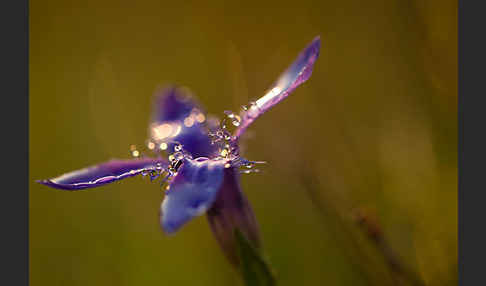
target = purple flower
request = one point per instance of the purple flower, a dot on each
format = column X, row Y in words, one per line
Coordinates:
column 202, row 169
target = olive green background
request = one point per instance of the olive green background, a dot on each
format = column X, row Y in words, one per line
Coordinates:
column 373, row 129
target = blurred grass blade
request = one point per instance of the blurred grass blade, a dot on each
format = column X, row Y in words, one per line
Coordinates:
column 254, row 269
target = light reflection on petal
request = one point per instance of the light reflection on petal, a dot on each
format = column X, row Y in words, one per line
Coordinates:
column 178, row 119
column 162, row 131
column 188, row 121
column 178, row 128
column 296, row 74
column 104, row 173
column 200, row 118
column 192, row 192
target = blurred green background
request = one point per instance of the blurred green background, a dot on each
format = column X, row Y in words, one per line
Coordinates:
column 374, row 130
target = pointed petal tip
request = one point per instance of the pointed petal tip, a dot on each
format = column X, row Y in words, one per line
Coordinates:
column 42, row 182
column 66, row 187
column 297, row 73
column 316, row 45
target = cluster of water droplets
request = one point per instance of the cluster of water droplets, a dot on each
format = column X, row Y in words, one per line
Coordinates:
column 170, row 171
column 222, row 137
column 251, row 110
column 227, row 143
column 176, row 159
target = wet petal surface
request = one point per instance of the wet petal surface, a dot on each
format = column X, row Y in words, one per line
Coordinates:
column 296, row 74
column 178, row 118
column 104, row 173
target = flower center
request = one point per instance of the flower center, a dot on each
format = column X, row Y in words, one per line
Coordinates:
column 227, row 144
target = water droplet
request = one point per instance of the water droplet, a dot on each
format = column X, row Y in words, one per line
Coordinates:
column 236, row 121
column 151, row 145
column 163, row 146
column 252, row 110
column 154, row 175
column 230, row 114
column 189, row 121
column 249, row 171
column 178, row 156
column 224, row 153
column 200, row 118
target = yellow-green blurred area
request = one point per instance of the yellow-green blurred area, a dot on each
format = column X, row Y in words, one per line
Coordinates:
column 373, row 131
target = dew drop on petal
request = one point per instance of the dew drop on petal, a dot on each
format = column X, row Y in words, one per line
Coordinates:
column 154, row 175
column 224, row 153
column 188, row 121
column 178, row 156
column 236, row 120
column 200, row 118
column 230, row 114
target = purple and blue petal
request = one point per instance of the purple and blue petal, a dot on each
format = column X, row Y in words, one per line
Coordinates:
column 192, row 192
column 104, row 173
column 177, row 118
column 198, row 185
column 296, row 74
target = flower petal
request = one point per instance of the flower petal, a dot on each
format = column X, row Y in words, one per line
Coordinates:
column 104, row 173
column 178, row 118
column 296, row 74
column 192, row 192
column 232, row 211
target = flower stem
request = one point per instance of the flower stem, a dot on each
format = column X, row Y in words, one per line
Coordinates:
column 254, row 268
